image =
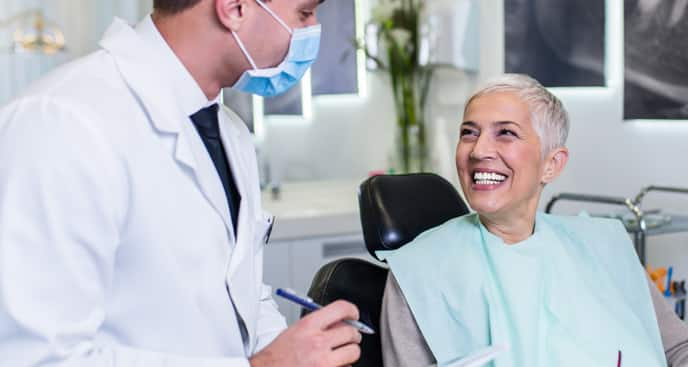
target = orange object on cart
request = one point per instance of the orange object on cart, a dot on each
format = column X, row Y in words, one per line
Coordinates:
column 657, row 277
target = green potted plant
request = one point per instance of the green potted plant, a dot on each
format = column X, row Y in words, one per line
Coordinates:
column 397, row 45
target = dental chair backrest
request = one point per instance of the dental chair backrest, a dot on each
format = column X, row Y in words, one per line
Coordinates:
column 394, row 209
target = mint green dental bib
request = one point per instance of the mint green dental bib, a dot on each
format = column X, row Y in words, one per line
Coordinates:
column 573, row 294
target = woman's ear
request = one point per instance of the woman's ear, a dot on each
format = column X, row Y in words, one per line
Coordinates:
column 231, row 13
column 554, row 164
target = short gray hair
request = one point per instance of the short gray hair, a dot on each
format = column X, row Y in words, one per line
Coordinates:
column 547, row 113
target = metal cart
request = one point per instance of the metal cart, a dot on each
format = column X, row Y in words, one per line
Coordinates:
column 640, row 227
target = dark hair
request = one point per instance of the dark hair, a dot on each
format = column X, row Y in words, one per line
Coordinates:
column 176, row 6
column 173, row 6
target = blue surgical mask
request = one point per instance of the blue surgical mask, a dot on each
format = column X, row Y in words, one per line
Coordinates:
column 303, row 50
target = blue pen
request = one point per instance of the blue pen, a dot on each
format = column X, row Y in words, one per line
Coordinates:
column 308, row 304
column 667, row 291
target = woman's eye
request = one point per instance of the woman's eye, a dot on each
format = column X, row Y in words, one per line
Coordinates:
column 507, row 132
column 306, row 14
column 467, row 132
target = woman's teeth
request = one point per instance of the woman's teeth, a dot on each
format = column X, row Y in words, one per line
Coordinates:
column 488, row 178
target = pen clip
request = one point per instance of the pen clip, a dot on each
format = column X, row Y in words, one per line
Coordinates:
column 268, row 232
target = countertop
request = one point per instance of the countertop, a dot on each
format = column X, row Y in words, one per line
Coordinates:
column 314, row 209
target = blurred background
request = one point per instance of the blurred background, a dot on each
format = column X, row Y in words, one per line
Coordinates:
column 319, row 141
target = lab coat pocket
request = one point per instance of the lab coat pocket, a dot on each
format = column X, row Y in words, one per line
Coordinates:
column 263, row 230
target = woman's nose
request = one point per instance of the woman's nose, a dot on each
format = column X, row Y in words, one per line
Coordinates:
column 484, row 148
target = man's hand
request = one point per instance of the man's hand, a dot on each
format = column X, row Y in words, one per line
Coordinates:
column 320, row 339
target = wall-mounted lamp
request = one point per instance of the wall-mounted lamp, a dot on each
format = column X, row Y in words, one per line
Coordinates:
column 32, row 32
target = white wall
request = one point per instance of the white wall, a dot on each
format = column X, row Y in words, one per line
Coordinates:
column 348, row 138
column 83, row 23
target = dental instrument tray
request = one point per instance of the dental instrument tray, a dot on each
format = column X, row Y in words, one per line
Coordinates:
column 639, row 223
column 653, row 220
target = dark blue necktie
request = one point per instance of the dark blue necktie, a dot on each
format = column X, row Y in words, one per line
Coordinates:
column 208, row 126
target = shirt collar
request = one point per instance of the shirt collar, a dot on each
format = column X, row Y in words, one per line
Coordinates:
column 188, row 93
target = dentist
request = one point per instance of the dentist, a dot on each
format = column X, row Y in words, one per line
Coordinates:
column 131, row 226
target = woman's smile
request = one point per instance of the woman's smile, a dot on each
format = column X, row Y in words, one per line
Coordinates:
column 487, row 179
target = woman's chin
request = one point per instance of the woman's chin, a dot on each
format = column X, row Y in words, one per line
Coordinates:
column 485, row 209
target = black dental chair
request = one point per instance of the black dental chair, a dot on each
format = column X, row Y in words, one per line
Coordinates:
column 394, row 209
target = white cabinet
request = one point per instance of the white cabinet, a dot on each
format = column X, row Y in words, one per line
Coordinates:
column 317, row 222
column 293, row 263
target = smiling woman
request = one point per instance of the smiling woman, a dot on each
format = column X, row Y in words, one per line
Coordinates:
column 511, row 145
column 560, row 291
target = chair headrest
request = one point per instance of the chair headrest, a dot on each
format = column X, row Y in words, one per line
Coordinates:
column 397, row 208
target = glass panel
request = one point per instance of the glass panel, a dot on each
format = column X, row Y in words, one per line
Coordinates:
column 241, row 103
column 287, row 104
column 336, row 70
column 656, row 85
column 558, row 42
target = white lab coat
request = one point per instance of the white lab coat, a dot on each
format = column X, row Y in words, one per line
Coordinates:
column 116, row 246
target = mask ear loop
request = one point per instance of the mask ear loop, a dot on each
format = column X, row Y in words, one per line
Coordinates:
column 278, row 19
column 243, row 50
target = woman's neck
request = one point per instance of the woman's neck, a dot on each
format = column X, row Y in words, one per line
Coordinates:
column 511, row 230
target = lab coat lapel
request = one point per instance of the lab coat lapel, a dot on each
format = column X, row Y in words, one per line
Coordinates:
column 241, row 271
column 150, row 88
column 122, row 42
column 208, row 178
column 230, row 140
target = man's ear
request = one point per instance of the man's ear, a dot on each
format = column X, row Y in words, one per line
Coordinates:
column 231, row 13
column 554, row 164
